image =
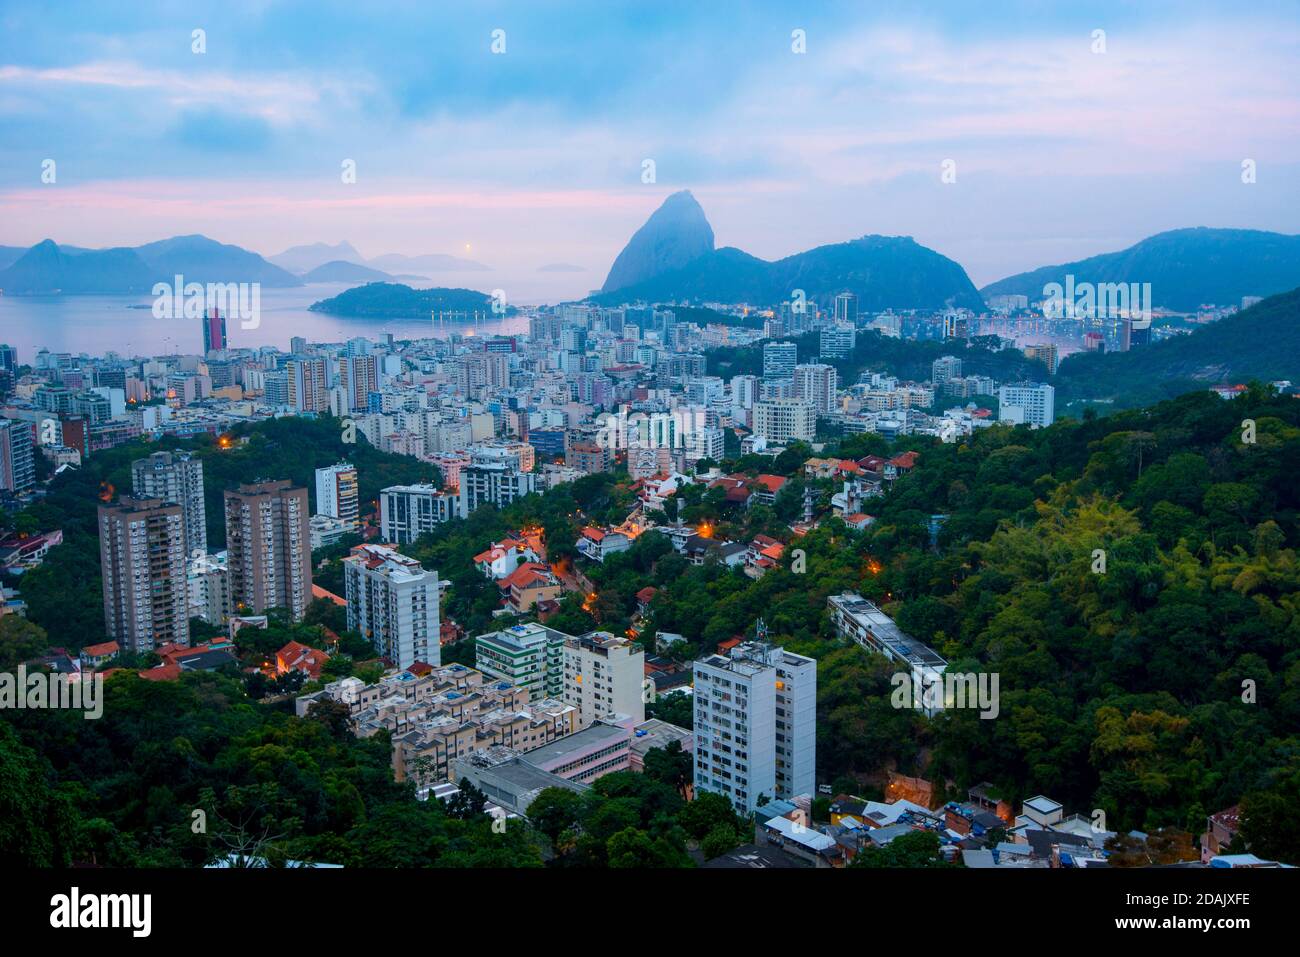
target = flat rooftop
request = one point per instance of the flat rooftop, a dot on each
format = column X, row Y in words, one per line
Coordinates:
column 893, row 640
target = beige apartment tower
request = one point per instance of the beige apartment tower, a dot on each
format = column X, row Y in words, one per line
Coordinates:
column 142, row 557
column 268, row 546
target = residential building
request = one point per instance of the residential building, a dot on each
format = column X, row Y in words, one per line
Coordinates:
column 1027, row 403
column 856, row 618
column 816, row 383
column 142, row 565
column 408, row 511
column 393, row 602
column 780, row 421
column 268, row 547
column 530, row 656
column 779, row 360
column 336, row 493
column 17, row 456
column 604, row 675
column 176, row 477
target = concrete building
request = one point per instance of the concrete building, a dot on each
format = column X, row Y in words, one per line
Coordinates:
column 336, row 493
column 268, row 548
column 493, row 483
column 408, row 511
column 1027, row 403
column 308, row 381
column 17, row 456
column 393, row 602
column 142, row 561
column 584, row 756
column 816, row 383
column 530, row 656
column 175, row 477
column 603, row 676
column 779, row 360
column 756, row 724
column 856, row 618
column 781, row 421
column 837, row 341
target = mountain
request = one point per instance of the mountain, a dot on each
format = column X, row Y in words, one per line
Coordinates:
column 342, row 271
column 884, row 271
column 386, row 300
column 303, row 259
column 1186, row 268
column 10, row 255
column 1262, row 342
column 204, row 260
column 419, row 265
column 675, row 234
column 47, row 268
column 671, row 258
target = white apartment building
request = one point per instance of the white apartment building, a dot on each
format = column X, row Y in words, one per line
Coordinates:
column 336, row 493
column 735, row 729
column 393, row 602
column 1027, row 403
column 756, row 724
column 837, row 341
column 603, row 676
column 529, row 656
column 868, row 626
column 493, row 483
column 781, row 421
column 779, row 359
column 408, row 511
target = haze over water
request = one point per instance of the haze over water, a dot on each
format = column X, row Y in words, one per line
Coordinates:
column 98, row 324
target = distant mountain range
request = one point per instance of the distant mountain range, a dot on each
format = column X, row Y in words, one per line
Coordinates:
column 671, row 258
column 1186, row 268
column 303, row 260
column 384, row 300
column 48, row 267
column 1262, row 342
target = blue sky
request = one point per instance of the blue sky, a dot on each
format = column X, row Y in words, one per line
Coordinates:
column 534, row 156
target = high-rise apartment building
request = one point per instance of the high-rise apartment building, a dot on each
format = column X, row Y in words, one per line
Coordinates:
column 603, row 676
column 529, row 656
column 785, row 420
column 359, row 376
column 755, row 724
column 17, row 456
column 175, row 477
column 846, row 308
column 779, row 360
column 944, row 369
column 837, row 341
column 214, row 331
column 393, row 602
column 816, row 383
column 143, row 568
column 1030, row 403
column 494, row 483
column 408, row 511
column 1045, row 353
column 336, row 493
column 268, row 545
column 308, row 385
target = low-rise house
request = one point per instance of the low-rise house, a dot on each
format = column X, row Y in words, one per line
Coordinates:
column 654, row 733
column 296, row 656
column 529, row 584
column 94, row 657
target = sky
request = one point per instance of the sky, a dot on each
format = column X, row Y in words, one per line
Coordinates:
column 1064, row 142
